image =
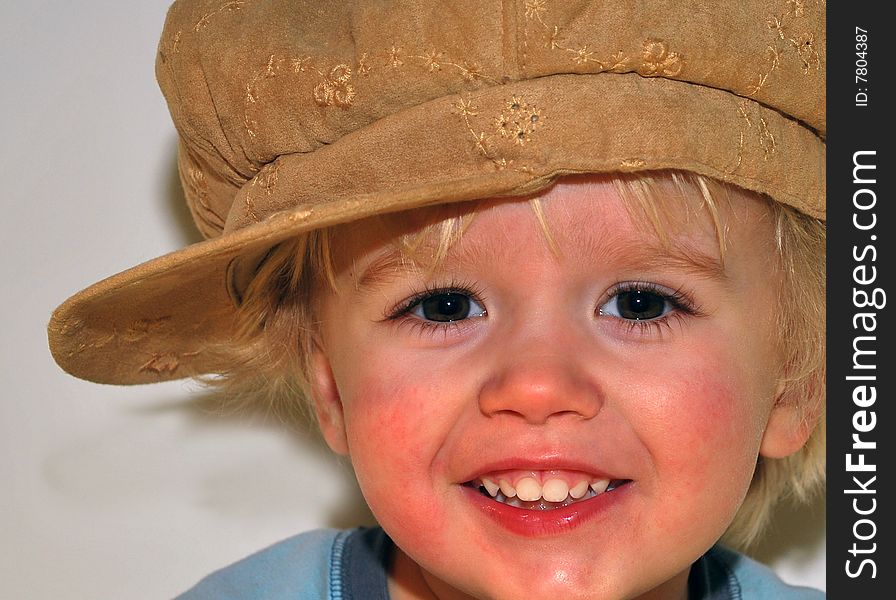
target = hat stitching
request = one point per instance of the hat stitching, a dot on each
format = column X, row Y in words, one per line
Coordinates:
column 433, row 60
column 535, row 8
column 196, row 193
column 523, row 49
column 139, row 329
column 231, row 6
column 335, row 84
column 161, row 363
column 655, row 59
column 142, row 328
column 267, row 181
column 166, row 363
column 764, row 136
column 203, row 22
column 466, row 109
column 632, row 164
column 517, row 122
column 335, row 88
column 97, row 343
column 798, row 7
column 802, row 43
column 364, row 67
column 175, row 42
column 73, row 326
column 394, row 58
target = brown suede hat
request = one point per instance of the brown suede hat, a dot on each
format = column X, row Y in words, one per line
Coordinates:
column 295, row 115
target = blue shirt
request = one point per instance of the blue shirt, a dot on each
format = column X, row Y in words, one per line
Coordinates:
column 328, row 564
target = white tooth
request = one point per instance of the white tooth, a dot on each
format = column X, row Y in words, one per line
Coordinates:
column 600, row 486
column 555, row 490
column 579, row 490
column 507, row 489
column 490, row 486
column 528, row 489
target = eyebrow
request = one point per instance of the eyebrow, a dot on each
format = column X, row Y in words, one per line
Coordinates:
column 393, row 263
column 387, row 266
column 651, row 253
column 644, row 256
column 677, row 257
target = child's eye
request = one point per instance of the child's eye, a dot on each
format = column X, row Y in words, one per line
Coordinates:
column 642, row 303
column 445, row 307
column 637, row 305
column 436, row 307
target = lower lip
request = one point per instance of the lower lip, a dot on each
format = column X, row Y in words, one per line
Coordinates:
column 541, row 523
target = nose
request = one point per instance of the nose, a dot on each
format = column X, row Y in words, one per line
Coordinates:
column 540, row 388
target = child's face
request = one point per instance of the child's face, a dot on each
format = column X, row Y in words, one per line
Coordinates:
column 612, row 359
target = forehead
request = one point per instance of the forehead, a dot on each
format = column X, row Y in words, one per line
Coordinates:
column 585, row 216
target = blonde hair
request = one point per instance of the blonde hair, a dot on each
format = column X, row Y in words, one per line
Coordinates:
column 270, row 356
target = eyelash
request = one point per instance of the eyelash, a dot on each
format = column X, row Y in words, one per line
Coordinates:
column 401, row 313
column 681, row 307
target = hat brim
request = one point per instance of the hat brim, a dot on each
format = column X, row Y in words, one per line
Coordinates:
column 155, row 321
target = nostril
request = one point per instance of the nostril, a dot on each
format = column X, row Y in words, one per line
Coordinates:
column 570, row 413
column 538, row 387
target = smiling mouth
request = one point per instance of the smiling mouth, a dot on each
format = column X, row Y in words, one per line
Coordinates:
column 531, row 492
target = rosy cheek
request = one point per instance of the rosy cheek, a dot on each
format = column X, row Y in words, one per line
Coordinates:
column 386, row 421
column 715, row 443
column 700, row 411
column 393, row 416
column 719, row 390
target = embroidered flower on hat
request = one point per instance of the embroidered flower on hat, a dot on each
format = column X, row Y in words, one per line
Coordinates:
column 518, row 121
column 658, row 60
column 335, row 88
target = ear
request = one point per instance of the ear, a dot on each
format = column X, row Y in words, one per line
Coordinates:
column 327, row 403
column 789, row 425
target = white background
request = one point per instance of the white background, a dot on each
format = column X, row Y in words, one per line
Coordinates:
column 115, row 492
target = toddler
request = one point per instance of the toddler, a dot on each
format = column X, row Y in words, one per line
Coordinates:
column 550, row 275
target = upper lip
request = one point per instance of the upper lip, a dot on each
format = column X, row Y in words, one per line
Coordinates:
column 550, row 462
